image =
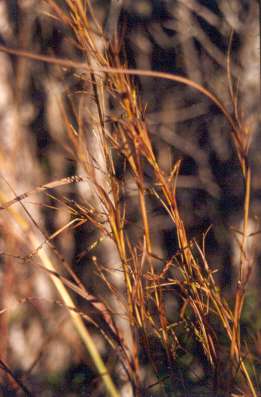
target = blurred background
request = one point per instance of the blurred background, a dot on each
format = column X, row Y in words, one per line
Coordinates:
column 185, row 37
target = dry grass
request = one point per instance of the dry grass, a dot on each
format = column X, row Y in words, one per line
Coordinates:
column 203, row 319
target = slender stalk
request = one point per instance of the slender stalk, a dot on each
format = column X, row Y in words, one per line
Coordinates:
column 68, row 301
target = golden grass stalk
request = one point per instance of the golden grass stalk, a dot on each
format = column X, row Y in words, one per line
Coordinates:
column 66, row 298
